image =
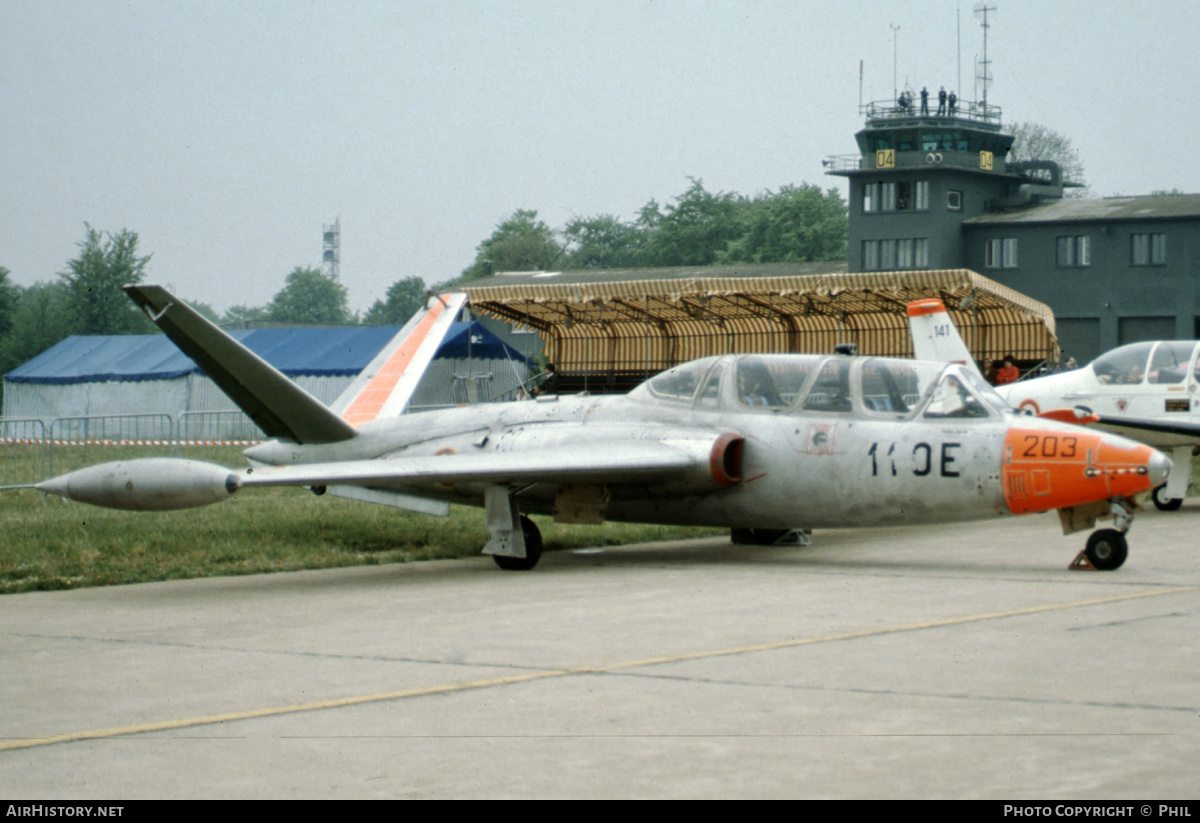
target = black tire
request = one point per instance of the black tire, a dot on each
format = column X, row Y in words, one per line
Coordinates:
column 1107, row 549
column 1164, row 503
column 533, row 549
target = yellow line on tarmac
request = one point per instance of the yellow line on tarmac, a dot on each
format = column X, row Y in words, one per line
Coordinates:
column 447, row 688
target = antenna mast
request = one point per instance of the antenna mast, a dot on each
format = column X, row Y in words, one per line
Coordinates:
column 983, row 71
column 895, row 36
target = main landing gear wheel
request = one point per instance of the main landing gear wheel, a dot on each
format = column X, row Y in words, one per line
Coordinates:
column 1107, row 549
column 1164, row 503
column 533, row 549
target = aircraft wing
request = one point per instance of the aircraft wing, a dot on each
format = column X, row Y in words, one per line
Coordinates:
column 616, row 462
column 1178, row 427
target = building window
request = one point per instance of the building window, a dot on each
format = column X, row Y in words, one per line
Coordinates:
column 921, row 253
column 954, row 201
column 912, row 196
column 870, row 253
column 895, row 255
column 887, row 196
column 1002, row 254
column 1073, row 252
column 921, row 195
column 884, row 197
column 887, row 255
column 1148, row 249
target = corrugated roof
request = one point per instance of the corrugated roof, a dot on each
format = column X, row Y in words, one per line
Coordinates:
column 584, row 276
column 1149, row 207
column 308, row 351
column 642, row 321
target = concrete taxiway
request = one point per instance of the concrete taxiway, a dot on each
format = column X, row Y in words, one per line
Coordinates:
column 942, row 662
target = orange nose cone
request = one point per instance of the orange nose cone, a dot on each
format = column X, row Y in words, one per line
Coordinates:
column 1048, row 469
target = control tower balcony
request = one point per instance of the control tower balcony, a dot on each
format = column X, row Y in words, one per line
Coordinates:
column 889, row 113
column 904, row 134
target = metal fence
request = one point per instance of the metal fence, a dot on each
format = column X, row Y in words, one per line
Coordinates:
column 24, row 451
column 29, row 453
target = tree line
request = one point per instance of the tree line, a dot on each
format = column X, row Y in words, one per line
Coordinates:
column 86, row 298
column 698, row 228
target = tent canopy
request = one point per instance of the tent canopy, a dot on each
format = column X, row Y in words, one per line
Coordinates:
column 471, row 340
column 320, row 352
column 308, row 352
column 609, row 323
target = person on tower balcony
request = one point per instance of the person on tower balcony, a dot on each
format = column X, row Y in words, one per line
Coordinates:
column 942, row 101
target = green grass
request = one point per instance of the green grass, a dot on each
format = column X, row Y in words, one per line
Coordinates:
column 50, row 543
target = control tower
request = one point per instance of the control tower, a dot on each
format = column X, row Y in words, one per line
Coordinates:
column 924, row 167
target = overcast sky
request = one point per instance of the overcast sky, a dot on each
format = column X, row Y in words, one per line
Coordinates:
column 227, row 133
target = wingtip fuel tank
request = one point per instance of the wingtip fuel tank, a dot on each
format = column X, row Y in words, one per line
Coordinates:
column 146, row 484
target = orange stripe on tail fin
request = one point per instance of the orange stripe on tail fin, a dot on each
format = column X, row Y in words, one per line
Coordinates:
column 386, row 386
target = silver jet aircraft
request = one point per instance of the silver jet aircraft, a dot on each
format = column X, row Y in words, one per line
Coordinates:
column 761, row 444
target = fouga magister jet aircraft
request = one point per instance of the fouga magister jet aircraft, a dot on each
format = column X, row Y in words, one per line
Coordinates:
column 760, row 444
column 1149, row 392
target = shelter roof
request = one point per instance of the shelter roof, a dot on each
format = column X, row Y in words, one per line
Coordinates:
column 638, row 320
column 1072, row 210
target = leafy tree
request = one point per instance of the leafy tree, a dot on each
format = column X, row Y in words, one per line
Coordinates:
column 799, row 224
column 37, row 324
column 403, row 299
column 10, row 295
column 604, row 242
column 244, row 314
column 95, row 303
column 694, row 229
column 520, row 243
column 1033, row 141
column 205, row 310
column 309, row 297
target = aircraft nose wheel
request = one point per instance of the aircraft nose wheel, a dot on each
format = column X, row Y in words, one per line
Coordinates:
column 1164, row 503
column 533, row 549
column 1107, row 549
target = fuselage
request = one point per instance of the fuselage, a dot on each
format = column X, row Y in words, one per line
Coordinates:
column 820, row 442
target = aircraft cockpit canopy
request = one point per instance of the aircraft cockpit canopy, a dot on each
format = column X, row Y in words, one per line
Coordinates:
column 873, row 387
column 962, row 393
column 1164, row 362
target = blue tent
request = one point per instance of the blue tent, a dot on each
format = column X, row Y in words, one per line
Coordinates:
column 472, row 341
column 312, row 352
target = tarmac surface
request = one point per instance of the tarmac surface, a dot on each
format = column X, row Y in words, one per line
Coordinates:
column 936, row 662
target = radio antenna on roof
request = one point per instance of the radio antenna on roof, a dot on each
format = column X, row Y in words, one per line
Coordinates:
column 983, row 70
